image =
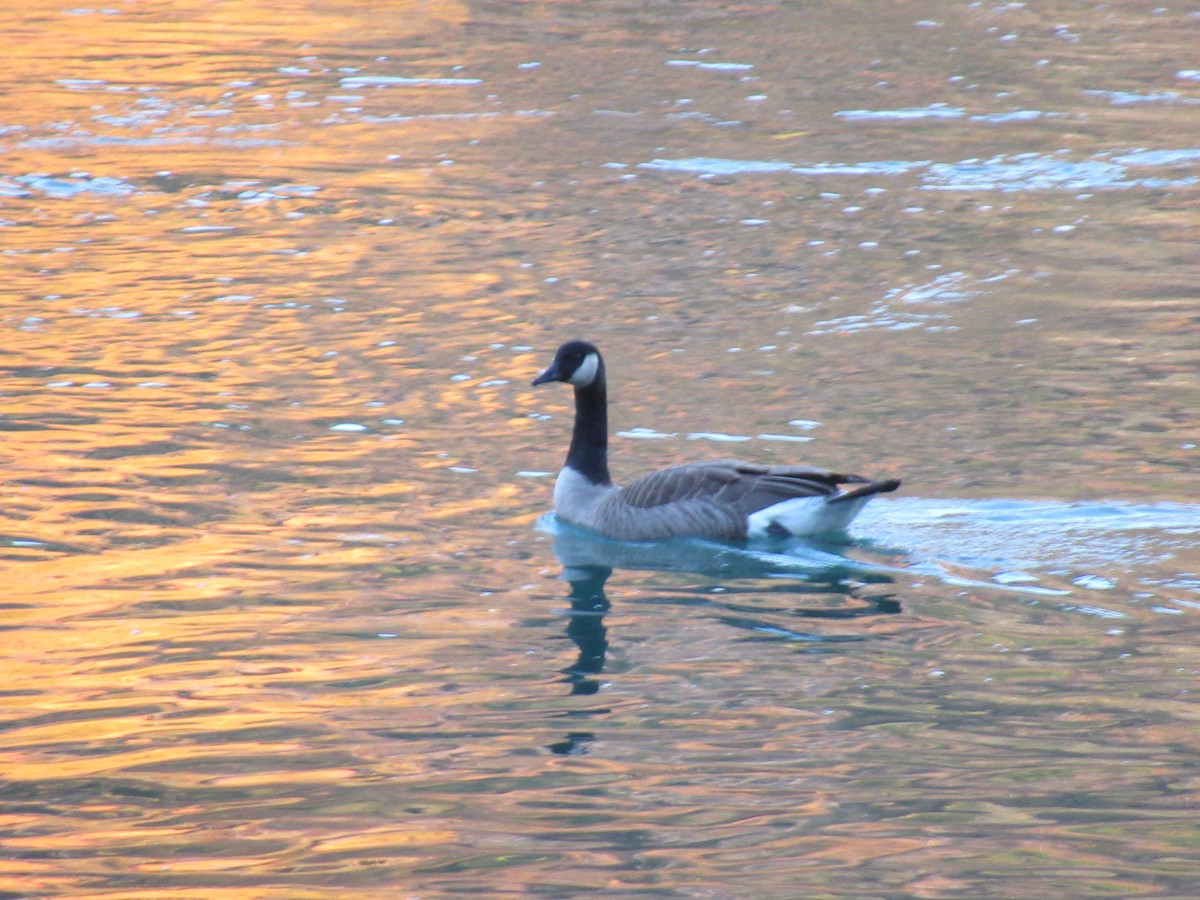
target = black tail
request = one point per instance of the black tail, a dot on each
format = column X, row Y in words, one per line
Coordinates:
column 866, row 490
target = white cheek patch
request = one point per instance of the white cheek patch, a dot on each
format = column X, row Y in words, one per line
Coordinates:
column 586, row 373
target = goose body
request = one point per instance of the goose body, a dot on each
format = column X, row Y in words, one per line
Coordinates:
column 724, row 500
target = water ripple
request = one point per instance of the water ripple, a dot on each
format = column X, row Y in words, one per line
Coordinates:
column 1005, row 172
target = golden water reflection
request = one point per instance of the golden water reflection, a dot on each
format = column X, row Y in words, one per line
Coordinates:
column 279, row 620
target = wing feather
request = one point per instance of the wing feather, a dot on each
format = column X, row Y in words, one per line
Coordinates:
column 730, row 482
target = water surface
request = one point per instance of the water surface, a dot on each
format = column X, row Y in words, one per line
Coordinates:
column 285, row 613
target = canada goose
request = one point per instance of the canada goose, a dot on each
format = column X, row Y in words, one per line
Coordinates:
column 724, row 500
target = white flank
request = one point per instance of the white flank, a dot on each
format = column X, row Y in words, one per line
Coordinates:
column 802, row 516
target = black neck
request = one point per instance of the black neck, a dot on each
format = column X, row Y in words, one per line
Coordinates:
column 588, row 453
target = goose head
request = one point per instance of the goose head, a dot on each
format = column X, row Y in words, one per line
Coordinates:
column 577, row 363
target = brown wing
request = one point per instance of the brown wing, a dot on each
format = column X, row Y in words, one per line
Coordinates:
column 745, row 486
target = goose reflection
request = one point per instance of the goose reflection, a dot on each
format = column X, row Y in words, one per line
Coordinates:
column 807, row 560
column 808, row 577
column 585, row 625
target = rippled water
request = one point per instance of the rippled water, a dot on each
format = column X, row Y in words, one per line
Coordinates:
column 286, row 615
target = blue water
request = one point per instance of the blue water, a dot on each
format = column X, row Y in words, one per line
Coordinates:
column 1099, row 559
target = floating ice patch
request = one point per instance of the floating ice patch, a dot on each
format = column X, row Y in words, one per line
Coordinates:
column 1158, row 157
column 1027, row 171
column 873, row 167
column 933, row 111
column 797, row 438
column 355, row 81
column 1033, row 171
column 421, row 117
column 1017, row 115
column 348, row 426
column 1014, row 578
column 716, row 166
column 365, row 537
column 1128, row 98
column 709, row 165
column 107, row 312
column 644, row 434
column 1017, row 172
column 711, row 66
column 1098, row 611
column 717, row 436
column 707, row 119
column 1024, row 172
column 883, row 317
column 947, row 288
column 74, row 185
column 1095, row 583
